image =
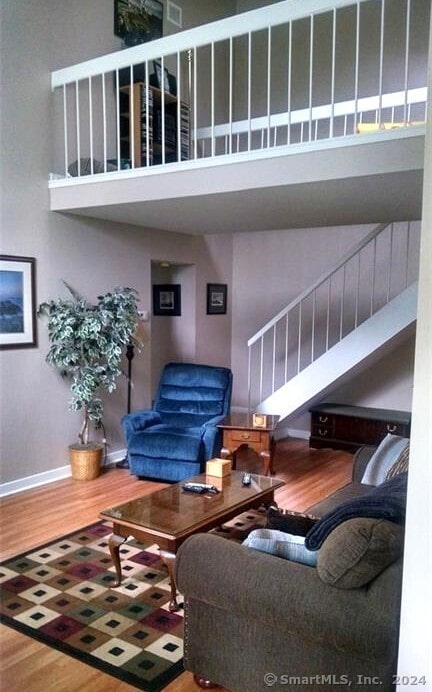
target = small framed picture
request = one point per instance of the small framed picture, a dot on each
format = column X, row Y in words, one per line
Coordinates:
column 169, row 81
column 259, row 420
column 17, row 302
column 138, row 21
column 216, row 299
column 167, row 300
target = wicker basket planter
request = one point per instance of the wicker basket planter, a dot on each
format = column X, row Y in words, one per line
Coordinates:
column 86, row 461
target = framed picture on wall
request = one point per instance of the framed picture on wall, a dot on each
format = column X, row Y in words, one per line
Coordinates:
column 167, row 300
column 217, row 299
column 138, row 21
column 17, row 302
column 169, row 81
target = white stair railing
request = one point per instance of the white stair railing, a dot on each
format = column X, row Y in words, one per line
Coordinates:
column 293, row 72
column 368, row 277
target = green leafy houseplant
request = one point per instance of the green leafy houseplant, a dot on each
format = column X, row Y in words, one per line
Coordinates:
column 87, row 341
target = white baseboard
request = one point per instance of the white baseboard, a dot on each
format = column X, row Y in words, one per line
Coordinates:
column 282, row 432
column 58, row 474
column 45, row 477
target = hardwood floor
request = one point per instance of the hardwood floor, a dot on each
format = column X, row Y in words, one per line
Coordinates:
column 35, row 516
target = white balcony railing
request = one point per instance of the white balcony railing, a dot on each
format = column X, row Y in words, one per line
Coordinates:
column 376, row 270
column 293, row 72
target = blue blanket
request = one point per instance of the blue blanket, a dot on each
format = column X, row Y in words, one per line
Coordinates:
column 386, row 501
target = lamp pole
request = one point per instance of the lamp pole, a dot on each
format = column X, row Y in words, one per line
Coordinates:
column 124, row 463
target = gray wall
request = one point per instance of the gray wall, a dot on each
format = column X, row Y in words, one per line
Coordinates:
column 262, row 270
column 93, row 256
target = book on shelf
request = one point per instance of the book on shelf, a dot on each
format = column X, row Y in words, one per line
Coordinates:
column 146, row 126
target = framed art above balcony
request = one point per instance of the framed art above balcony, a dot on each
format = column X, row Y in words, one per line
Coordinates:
column 17, row 302
column 138, row 21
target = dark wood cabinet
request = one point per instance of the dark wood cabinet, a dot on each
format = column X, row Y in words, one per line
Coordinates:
column 349, row 427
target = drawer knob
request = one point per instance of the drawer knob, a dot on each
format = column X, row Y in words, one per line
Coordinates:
column 245, row 436
column 391, row 428
column 323, row 419
column 322, row 432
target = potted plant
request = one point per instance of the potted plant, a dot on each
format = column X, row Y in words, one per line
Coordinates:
column 87, row 341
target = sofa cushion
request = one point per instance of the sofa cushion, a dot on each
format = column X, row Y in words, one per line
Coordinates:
column 386, row 455
column 284, row 545
column 344, row 494
column 163, row 442
column 358, row 550
column 386, row 501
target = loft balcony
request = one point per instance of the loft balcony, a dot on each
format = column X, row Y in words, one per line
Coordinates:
column 256, row 122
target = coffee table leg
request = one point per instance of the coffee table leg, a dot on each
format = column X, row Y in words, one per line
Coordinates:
column 114, row 543
column 169, row 560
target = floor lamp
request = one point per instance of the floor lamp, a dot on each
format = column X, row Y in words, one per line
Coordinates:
column 124, row 463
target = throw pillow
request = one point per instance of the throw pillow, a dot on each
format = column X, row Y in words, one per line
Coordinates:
column 290, row 522
column 358, row 550
column 401, row 465
column 284, row 545
column 384, row 457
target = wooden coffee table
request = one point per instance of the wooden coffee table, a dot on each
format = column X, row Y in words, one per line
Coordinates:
column 239, row 431
column 171, row 515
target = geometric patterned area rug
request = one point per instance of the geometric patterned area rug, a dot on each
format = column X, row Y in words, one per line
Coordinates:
column 60, row 595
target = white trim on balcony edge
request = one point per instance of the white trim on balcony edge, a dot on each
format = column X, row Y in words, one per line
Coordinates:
column 241, row 157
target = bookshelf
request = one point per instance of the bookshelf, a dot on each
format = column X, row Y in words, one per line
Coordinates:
column 147, row 125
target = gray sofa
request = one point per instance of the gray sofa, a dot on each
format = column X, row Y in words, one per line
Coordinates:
column 249, row 614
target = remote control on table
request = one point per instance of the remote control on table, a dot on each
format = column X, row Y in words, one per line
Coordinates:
column 200, row 488
column 246, row 480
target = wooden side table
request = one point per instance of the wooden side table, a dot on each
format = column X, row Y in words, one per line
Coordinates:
column 238, row 431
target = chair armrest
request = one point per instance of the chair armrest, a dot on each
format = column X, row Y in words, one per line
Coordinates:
column 139, row 420
column 288, row 595
column 211, row 437
column 212, row 440
column 361, row 460
column 212, row 422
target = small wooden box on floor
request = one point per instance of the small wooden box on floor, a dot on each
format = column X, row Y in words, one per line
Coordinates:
column 218, row 467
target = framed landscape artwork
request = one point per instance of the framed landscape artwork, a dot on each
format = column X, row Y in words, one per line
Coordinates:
column 167, row 300
column 17, row 302
column 216, row 299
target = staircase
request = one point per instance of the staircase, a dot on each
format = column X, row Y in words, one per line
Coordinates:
column 342, row 323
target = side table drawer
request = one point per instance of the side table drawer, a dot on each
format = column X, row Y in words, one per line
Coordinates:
column 322, row 431
column 323, row 419
column 245, row 435
column 366, row 431
column 323, row 425
column 396, row 429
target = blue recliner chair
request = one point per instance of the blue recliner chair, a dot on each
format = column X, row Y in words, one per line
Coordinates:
column 174, row 439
